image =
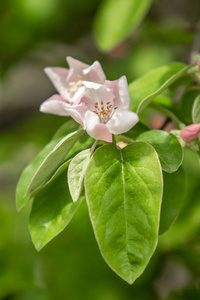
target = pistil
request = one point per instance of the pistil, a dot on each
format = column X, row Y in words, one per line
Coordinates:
column 104, row 113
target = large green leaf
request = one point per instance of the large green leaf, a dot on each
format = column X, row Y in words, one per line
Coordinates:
column 124, row 190
column 76, row 172
column 116, row 19
column 173, row 195
column 144, row 89
column 196, row 111
column 31, row 169
column 52, row 210
column 54, row 159
column 167, row 146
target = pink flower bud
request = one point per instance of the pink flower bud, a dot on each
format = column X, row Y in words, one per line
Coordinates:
column 191, row 132
column 199, row 65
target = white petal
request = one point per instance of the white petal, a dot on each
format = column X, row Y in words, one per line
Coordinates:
column 55, row 105
column 94, row 73
column 58, row 76
column 124, row 93
column 96, row 129
column 98, row 92
column 122, row 121
column 76, row 64
column 121, row 93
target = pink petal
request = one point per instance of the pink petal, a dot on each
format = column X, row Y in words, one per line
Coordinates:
column 55, row 105
column 96, row 129
column 191, row 132
column 76, row 64
column 95, row 92
column 121, row 93
column 78, row 113
column 58, row 77
column 94, row 73
column 122, row 121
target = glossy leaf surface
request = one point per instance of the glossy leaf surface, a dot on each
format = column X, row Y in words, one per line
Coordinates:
column 167, row 146
column 76, row 172
column 173, row 196
column 144, row 89
column 124, row 191
column 52, row 210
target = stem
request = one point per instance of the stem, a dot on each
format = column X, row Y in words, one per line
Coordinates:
column 114, row 139
column 168, row 113
column 93, row 147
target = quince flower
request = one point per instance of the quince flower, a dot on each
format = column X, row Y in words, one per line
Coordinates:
column 107, row 109
column 99, row 105
column 69, row 84
column 191, row 132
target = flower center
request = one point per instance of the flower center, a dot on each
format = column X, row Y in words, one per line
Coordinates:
column 104, row 114
column 75, row 85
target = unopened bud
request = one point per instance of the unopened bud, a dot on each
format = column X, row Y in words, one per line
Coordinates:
column 190, row 133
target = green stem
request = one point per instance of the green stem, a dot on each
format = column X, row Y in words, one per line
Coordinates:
column 168, row 113
column 114, row 139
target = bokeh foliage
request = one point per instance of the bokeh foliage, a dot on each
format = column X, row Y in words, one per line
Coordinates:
column 34, row 34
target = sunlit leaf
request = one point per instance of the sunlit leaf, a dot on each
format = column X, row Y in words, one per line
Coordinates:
column 124, row 191
column 54, row 159
column 144, row 89
column 196, row 110
column 31, row 169
column 173, row 196
column 52, row 210
column 116, row 19
column 167, row 146
column 76, row 172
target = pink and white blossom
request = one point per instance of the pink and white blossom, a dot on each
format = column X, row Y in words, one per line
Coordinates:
column 69, row 84
column 107, row 109
column 101, row 106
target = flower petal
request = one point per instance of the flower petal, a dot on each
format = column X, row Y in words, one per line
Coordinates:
column 58, row 77
column 95, row 92
column 55, row 105
column 96, row 129
column 121, row 93
column 122, row 121
column 76, row 64
column 77, row 112
column 94, row 73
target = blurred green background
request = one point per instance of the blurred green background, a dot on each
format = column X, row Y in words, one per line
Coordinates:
column 39, row 33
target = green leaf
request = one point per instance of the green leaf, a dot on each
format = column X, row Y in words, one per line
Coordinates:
column 196, row 110
column 76, row 172
column 123, row 192
column 54, row 159
column 116, row 19
column 173, row 196
column 52, row 210
column 31, row 169
column 167, row 146
column 144, row 89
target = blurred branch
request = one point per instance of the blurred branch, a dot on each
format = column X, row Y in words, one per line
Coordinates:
column 196, row 45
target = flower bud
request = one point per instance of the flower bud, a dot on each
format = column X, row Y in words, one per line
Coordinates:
column 191, row 132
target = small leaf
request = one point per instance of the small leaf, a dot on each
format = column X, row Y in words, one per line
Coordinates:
column 144, row 89
column 31, row 169
column 173, row 196
column 76, row 172
column 52, row 210
column 123, row 192
column 116, row 19
column 54, row 160
column 196, row 110
column 167, row 146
